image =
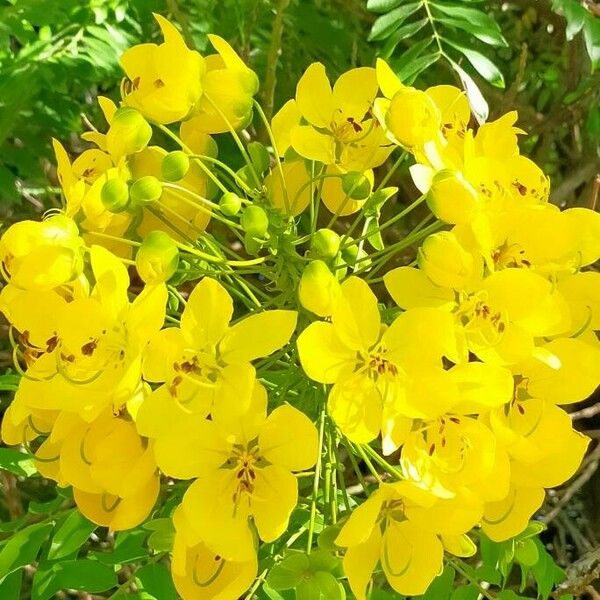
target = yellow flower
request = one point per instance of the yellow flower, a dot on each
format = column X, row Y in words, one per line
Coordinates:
column 94, row 355
column 112, row 470
column 501, row 315
column 200, row 574
column 380, row 374
column 399, row 526
column 41, row 256
column 244, row 469
column 206, row 361
column 228, row 87
column 339, row 127
column 163, row 81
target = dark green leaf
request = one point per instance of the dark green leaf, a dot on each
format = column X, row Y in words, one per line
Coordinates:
column 70, row 536
column 156, row 582
column 83, row 575
column 382, row 6
column 404, row 33
column 23, row 547
column 488, row 36
column 16, row 462
column 388, row 23
column 484, row 66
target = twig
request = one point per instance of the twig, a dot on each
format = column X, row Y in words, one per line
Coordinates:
column 586, row 413
column 595, row 190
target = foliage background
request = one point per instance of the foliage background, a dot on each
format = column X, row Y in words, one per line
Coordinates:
column 539, row 57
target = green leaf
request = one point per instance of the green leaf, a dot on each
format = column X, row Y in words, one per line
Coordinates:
column 412, row 70
column 289, row 572
column 10, row 586
column 472, row 15
column 546, row 572
column 308, row 590
column 526, row 552
column 388, row 23
column 17, row 463
column 405, row 32
column 9, row 382
column 330, row 587
column 483, row 65
column 492, row 37
column 70, row 536
column 156, row 582
column 23, row 548
column 83, row 575
column 162, row 536
column 591, row 34
column 466, row 592
column 382, row 6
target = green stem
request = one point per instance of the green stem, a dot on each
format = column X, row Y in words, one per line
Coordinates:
column 315, row 491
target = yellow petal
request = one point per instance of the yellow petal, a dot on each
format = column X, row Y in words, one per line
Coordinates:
column 355, row 316
column 322, row 355
column 459, row 545
column 274, row 498
column 314, row 96
column 411, row 558
column 482, row 386
column 311, row 144
column 389, row 82
column 360, row 562
column 207, row 313
column 286, row 119
column 289, row 439
column 509, row 517
column 354, row 92
column 410, row 287
column 258, row 335
column 357, row 529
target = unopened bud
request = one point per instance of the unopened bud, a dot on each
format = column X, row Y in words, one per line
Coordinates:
column 157, row 258
column 319, row 289
column 145, row 190
column 356, row 185
column 175, row 166
column 325, row 243
column 445, row 261
column 230, row 204
column 451, row 197
column 129, row 132
column 413, row 117
column 255, row 221
column 115, row 195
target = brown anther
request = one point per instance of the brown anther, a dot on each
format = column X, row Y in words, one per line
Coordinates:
column 135, row 84
column 431, row 449
column 520, row 408
column 52, row 343
column 522, row 189
column 159, row 83
column 89, row 348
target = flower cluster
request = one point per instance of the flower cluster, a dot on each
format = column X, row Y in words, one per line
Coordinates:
column 152, row 351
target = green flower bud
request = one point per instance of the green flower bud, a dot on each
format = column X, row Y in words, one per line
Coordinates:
column 325, row 243
column 129, row 132
column 319, row 289
column 350, row 253
column 230, row 204
column 145, row 190
column 445, row 261
column 157, row 258
column 451, row 197
column 255, row 221
column 356, row 185
column 115, row 195
column 175, row 166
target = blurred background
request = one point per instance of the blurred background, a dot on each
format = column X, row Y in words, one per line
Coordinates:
column 538, row 57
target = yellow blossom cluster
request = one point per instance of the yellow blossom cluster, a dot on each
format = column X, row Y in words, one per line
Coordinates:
column 151, row 350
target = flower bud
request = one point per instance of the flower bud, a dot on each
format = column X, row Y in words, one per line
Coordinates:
column 129, row 132
column 175, row 166
column 413, row 117
column 356, row 185
column 157, row 258
column 451, row 197
column 230, row 204
column 445, row 261
column 115, row 195
column 145, row 190
column 42, row 255
column 325, row 243
column 319, row 289
column 255, row 221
